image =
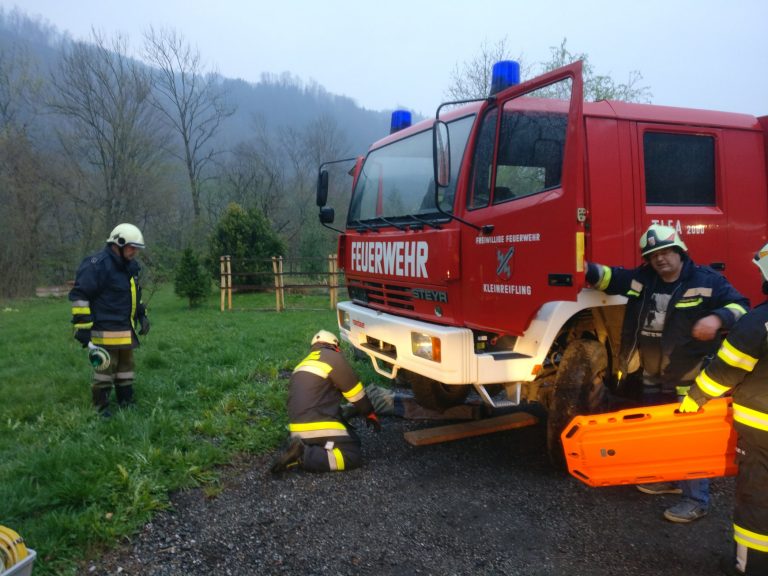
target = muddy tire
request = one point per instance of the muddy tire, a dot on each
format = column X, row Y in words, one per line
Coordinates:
column 579, row 389
column 435, row 395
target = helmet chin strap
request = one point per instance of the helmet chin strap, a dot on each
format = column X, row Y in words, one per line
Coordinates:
column 121, row 250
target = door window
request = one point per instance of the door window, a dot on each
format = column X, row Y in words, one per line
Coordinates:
column 529, row 147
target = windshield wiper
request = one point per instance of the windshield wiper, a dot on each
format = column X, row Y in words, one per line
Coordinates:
column 390, row 222
column 426, row 221
column 357, row 224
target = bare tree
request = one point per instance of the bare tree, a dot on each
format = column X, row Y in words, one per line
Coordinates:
column 599, row 86
column 25, row 177
column 191, row 101
column 104, row 96
column 19, row 87
column 304, row 151
column 472, row 79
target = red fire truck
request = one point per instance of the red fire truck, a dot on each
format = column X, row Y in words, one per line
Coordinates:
column 466, row 236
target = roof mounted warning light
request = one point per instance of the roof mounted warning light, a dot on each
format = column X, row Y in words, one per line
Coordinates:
column 400, row 119
column 505, row 73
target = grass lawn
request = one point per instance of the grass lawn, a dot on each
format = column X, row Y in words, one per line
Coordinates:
column 208, row 385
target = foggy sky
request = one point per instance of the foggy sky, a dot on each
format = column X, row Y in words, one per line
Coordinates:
column 692, row 53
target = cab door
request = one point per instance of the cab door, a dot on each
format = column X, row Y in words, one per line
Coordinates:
column 524, row 192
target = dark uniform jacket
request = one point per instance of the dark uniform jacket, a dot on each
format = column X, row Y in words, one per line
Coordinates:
column 702, row 292
column 741, row 365
column 318, row 386
column 106, row 299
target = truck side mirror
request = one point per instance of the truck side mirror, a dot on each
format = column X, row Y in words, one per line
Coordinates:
column 326, row 215
column 322, row 190
column 441, row 154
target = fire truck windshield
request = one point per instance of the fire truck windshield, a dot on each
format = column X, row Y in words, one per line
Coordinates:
column 396, row 180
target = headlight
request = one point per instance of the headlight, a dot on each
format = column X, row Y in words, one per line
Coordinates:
column 344, row 319
column 425, row 346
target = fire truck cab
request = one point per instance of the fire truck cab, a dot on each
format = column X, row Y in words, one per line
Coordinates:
column 467, row 235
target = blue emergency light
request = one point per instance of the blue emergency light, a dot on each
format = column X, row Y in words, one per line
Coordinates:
column 400, row 119
column 505, row 73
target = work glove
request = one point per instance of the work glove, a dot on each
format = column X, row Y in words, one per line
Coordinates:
column 688, row 405
column 372, row 421
column 144, row 329
column 83, row 336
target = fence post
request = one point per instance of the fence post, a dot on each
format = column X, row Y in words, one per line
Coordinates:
column 229, row 282
column 333, row 279
column 277, row 269
column 222, row 281
column 225, row 283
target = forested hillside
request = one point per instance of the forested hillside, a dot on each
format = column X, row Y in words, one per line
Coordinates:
column 93, row 134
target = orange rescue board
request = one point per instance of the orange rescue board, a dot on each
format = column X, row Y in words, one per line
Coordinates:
column 651, row 444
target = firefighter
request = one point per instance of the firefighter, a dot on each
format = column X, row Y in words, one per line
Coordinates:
column 321, row 440
column 673, row 320
column 107, row 312
column 741, row 367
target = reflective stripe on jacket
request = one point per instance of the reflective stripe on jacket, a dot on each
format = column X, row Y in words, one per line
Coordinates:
column 319, row 384
column 741, row 366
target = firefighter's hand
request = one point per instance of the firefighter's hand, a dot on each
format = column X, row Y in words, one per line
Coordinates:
column 83, row 336
column 144, row 330
column 688, row 405
column 706, row 328
column 372, row 421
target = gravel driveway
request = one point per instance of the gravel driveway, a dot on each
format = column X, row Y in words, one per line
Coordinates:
column 485, row 505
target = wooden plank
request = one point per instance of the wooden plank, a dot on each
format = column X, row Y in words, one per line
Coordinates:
column 461, row 430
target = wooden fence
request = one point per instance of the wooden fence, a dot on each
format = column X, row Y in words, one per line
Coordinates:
column 297, row 278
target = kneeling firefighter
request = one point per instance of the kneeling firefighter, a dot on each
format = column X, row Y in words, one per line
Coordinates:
column 321, row 439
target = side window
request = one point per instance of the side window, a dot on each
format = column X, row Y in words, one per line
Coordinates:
column 679, row 169
column 480, row 194
column 530, row 152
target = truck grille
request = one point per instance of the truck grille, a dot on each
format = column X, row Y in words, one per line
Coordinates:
column 377, row 294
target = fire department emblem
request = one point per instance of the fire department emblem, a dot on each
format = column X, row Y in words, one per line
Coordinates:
column 503, row 269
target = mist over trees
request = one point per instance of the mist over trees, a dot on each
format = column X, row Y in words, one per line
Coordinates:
column 93, row 134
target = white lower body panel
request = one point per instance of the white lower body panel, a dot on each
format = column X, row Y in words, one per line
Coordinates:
column 460, row 364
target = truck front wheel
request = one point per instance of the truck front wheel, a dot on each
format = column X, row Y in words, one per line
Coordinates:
column 579, row 389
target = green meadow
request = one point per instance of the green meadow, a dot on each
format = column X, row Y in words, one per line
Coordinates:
column 209, row 385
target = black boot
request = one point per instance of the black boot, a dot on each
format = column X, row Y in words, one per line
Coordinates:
column 101, row 401
column 124, row 395
column 288, row 458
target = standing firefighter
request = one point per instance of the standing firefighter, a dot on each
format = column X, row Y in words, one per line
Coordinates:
column 674, row 316
column 321, row 440
column 107, row 311
column 741, row 366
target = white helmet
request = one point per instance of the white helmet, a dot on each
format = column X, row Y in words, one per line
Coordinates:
column 326, row 338
column 761, row 261
column 126, row 235
column 659, row 237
